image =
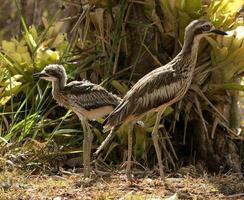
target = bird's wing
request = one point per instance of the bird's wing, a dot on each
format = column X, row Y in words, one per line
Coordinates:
column 89, row 95
column 153, row 90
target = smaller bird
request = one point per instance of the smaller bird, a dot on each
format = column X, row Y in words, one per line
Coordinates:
column 161, row 87
column 87, row 100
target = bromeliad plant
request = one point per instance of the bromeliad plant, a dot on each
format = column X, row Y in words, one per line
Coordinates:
column 18, row 62
column 21, row 100
column 228, row 64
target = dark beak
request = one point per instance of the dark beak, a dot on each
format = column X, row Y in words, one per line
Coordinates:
column 39, row 75
column 219, row 32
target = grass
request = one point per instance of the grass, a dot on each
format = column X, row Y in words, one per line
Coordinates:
column 187, row 185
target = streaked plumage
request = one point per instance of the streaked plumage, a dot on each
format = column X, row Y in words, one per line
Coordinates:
column 86, row 99
column 152, row 91
column 163, row 86
column 82, row 97
column 89, row 101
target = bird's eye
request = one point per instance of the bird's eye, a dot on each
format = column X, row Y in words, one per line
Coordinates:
column 206, row 27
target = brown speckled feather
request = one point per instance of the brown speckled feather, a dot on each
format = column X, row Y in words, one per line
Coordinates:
column 162, row 85
column 87, row 100
column 88, row 95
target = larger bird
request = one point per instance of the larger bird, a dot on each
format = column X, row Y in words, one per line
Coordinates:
column 162, row 87
column 89, row 101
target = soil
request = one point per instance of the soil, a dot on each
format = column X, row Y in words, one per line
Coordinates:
column 184, row 184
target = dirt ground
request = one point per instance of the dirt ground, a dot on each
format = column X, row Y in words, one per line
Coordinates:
column 68, row 185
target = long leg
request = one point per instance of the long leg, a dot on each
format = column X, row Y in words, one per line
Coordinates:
column 128, row 167
column 105, row 142
column 156, row 145
column 87, row 144
column 83, row 124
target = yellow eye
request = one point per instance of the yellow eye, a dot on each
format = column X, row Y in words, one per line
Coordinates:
column 206, row 27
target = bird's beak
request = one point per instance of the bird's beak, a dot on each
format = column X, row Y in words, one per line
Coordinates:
column 219, row 32
column 39, row 75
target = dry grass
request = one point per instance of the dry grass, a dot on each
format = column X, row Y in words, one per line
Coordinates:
column 21, row 185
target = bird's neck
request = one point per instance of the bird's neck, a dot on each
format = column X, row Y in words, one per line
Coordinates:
column 57, row 86
column 190, row 48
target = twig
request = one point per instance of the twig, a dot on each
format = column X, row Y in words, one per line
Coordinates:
column 235, row 195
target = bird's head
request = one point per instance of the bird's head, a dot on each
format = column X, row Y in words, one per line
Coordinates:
column 52, row 72
column 201, row 27
column 195, row 31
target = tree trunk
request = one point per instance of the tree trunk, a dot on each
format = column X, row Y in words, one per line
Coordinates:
column 219, row 154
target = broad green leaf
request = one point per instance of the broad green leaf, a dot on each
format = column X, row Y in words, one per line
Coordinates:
column 118, row 86
column 8, row 46
column 193, row 7
column 4, row 100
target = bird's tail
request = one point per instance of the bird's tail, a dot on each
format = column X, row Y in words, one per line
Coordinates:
column 116, row 117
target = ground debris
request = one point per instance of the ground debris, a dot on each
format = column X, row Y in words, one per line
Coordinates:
column 22, row 185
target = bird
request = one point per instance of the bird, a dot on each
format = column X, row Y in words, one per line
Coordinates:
column 87, row 100
column 161, row 88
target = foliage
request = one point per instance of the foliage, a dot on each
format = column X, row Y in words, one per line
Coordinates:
column 109, row 44
column 227, row 52
column 20, row 97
